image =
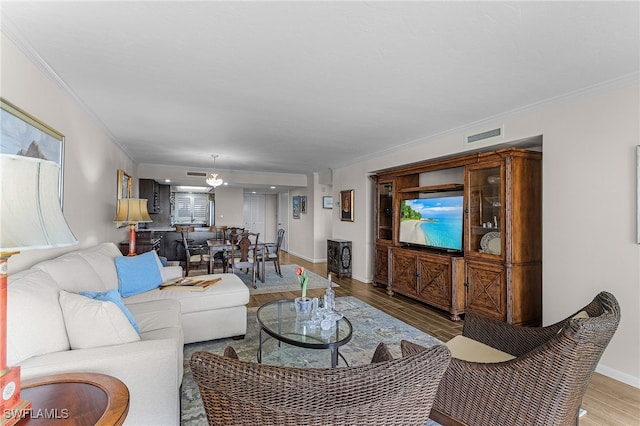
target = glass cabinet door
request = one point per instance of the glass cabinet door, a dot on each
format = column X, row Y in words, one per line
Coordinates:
column 385, row 211
column 485, row 207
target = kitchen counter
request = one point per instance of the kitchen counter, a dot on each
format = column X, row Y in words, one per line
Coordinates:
column 171, row 241
column 158, row 229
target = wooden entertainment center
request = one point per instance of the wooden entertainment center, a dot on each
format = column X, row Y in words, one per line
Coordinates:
column 498, row 272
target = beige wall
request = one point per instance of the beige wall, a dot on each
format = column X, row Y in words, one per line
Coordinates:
column 91, row 156
column 229, row 206
column 270, row 218
column 301, row 238
column 589, row 211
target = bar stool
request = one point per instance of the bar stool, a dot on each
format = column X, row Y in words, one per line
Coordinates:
column 219, row 232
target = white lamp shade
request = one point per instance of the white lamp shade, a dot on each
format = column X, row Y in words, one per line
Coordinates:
column 30, row 213
column 132, row 210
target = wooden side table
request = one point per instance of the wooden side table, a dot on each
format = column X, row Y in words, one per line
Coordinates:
column 75, row 399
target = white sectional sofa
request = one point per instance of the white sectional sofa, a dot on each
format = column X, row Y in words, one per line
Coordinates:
column 38, row 336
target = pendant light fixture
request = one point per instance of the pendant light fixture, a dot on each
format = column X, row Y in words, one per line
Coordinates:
column 214, row 180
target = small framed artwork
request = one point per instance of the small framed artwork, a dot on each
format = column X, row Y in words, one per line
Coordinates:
column 296, row 207
column 346, row 205
column 124, row 184
column 27, row 136
column 303, row 204
column 327, row 202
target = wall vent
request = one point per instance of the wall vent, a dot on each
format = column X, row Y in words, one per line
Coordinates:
column 197, row 174
column 488, row 134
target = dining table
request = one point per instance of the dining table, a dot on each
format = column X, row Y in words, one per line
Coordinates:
column 224, row 246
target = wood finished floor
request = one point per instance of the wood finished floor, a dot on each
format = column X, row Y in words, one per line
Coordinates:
column 608, row 402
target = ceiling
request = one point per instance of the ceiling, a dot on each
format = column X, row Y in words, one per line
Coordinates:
column 303, row 87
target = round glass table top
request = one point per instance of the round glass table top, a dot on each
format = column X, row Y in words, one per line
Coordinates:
column 279, row 320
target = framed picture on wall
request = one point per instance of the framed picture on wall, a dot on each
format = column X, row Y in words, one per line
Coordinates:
column 346, row 205
column 24, row 135
column 327, row 202
column 296, row 207
column 124, row 185
column 303, row 204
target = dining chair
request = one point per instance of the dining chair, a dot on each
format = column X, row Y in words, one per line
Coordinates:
column 197, row 257
column 271, row 253
column 231, row 230
column 245, row 254
column 184, row 233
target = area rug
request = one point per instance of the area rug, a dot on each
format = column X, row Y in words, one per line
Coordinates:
column 370, row 327
column 273, row 283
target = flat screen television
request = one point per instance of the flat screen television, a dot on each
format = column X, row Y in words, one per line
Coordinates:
column 432, row 222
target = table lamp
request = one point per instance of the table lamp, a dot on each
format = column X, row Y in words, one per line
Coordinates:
column 132, row 211
column 30, row 218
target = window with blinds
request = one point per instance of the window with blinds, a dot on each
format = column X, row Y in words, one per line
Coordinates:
column 191, row 208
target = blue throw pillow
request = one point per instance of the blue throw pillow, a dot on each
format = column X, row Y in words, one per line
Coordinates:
column 113, row 296
column 163, row 260
column 137, row 274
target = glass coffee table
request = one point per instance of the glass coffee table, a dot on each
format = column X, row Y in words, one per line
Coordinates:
column 278, row 320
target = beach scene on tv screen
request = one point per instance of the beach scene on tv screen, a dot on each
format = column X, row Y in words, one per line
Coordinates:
column 435, row 222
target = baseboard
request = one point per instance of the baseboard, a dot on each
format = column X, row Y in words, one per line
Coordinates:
column 618, row 375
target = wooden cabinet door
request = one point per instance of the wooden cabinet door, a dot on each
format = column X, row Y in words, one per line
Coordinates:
column 485, row 231
column 381, row 276
column 404, row 272
column 486, row 289
column 434, row 280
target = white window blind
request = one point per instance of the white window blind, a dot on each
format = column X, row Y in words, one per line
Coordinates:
column 191, row 208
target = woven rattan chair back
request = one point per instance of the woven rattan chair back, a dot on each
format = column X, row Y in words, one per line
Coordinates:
column 543, row 385
column 398, row 392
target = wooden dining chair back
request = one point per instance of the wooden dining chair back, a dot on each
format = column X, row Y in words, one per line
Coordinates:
column 233, row 232
column 271, row 253
column 184, row 233
column 197, row 257
column 245, row 254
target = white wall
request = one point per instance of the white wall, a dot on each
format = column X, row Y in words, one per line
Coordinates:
column 301, row 239
column 271, row 218
column 229, row 206
column 91, row 157
column 322, row 219
column 589, row 210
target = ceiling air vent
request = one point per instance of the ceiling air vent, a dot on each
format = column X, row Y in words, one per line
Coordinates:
column 197, row 174
column 488, row 134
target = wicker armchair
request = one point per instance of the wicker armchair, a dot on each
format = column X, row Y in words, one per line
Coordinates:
column 543, row 385
column 397, row 392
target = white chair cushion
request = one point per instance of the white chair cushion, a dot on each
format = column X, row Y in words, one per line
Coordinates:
column 466, row 349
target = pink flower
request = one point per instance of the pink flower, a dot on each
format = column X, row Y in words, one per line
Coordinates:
column 303, row 280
